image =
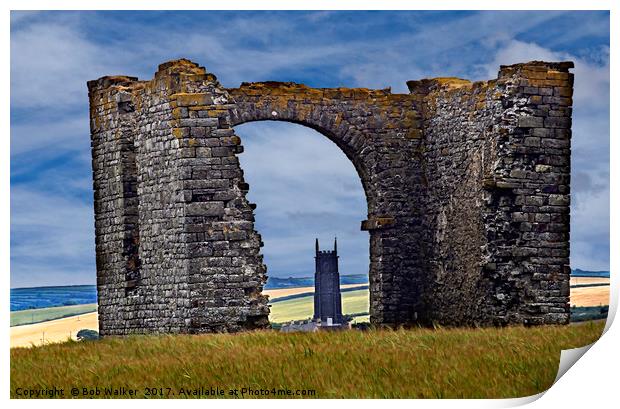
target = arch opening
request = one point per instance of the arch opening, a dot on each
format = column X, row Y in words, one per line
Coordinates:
column 337, row 139
column 304, row 189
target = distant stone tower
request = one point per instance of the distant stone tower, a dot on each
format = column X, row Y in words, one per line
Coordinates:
column 327, row 301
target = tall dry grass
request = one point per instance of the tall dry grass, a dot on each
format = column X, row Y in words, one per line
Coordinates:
column 416, row 363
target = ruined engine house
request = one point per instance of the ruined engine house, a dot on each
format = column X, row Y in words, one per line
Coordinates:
column 467, row 185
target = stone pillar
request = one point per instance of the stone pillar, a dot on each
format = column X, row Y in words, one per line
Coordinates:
column 176, row 245
column 527, row 218
column 496, row 204
column 112, row 126
column 226, row 270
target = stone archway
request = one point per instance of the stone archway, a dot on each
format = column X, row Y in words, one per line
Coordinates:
column 466, row 183
column 334, row 113
column 303, row 187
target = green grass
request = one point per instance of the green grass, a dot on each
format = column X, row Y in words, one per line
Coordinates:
column 45, row 314
column 353, row 302
column 416, row 363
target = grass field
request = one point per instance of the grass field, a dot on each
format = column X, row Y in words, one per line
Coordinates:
column 52, row 313
column 416, row 363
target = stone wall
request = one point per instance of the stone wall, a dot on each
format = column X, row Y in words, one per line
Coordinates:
column 497, row 163
column 458, row 146
column 113, row 156
column 198, row 266
column 527, row 196
column 467, row 188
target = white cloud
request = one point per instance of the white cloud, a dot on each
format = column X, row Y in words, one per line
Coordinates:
column 50, row 65
column 483, row 26
column 590, row 232
column 52, row 239
column 297, row 177
column 304, row 187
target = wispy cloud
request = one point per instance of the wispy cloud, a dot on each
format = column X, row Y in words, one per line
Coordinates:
column 52, row 241
column 590, row 147
column 53, row 54
column 49, row 63
column 68, row 133
column 304, row 187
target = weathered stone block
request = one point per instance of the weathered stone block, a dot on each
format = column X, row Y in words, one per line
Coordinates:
column 557, row 122
column 559, row 200
column 186, row 100
column 205, row 209
column 531, row 122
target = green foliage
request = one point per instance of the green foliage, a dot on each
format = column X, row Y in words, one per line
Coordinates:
column 376, row 363
column 87, row 335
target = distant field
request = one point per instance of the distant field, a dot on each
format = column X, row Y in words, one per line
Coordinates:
column 360, row 319
column 285, row 292
column 353, row 302
column 588, row 280
column 589, row 296
column 416, row 363
column 51, row 313
column 59, row 330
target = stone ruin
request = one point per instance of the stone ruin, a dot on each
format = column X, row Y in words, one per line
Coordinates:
column 467, row 187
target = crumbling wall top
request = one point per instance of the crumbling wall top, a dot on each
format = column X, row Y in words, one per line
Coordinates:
column 559, row 66
column 279, row 88
column 533, row 66
column 180, row 66
column 426, row 85
column 111, row 80
column 423, row 86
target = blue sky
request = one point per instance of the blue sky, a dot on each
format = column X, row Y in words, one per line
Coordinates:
column 303, row 185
